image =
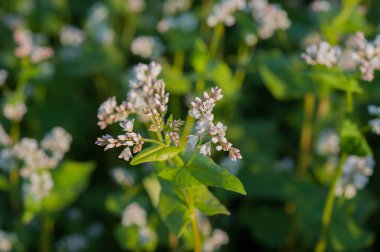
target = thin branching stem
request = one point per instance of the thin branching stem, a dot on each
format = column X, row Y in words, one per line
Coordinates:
column 328, row 209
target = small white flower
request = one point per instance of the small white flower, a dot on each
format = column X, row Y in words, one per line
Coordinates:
column 172, row 7
column 205, row 149
column 270, row 17
column 147, row 47
column 71, row 36
column 223, row 12
column 320, row 5
column 40, row 185
column 375, row 125
column 356, row 171
column 134, row 214
column 374, row 110
column 134, row 6
column 216, row 241
column 328, row 143
column 127, row 125
column 123, row 177
column 6, row 241
column 322, row 54
column 57, row 142
column 193, row 140
column 5, row 139
column 15, row 111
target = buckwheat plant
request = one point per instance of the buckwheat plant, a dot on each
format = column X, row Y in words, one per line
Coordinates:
column 347, row 67
column 183, row 174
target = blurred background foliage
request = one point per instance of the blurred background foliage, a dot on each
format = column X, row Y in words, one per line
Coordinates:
column 282, row 211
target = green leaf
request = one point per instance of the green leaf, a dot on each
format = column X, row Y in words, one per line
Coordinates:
column 336, row 79
column 281, row 75
column 199, row 58
column 346, row 235
column 70, row 179
column 222, row 75
column 352, row 141
column 130, row 239
column 156, row 154
column 206, row 202
column 173, row 208
column 180, row 177
column 206, row 171
column 153, row 188
column 3, row 183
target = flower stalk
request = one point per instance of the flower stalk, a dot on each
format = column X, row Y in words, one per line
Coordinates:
column 329, row 207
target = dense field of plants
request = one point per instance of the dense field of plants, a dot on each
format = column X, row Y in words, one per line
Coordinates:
column 228, row 125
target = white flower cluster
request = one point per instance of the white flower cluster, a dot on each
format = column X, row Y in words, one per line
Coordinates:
column 134, row 6
column 71, row 243
column 322, row 54
column 202, row 111
column 358, row 54
column 109, row 112
column 185, row 22
column 5, row 139
column 141, row 95
column 71, row 36
column 123, row 177
column 366, row 54
column 134, row 214
column 40, row 184
column 356, row 171
column 147, row 47
column 374, row 123
column 328, row 143
column 250, row 39
column 270, row 17
column 147, row 97
column 36, row 159
column 142, row 86
column 223, row 12
column 320, row 5
column 6, row 241
column 27, row 48
column 172, row 7
column 97, row 24
column 129, row 139
column 14, row 111
column 3, row 76
column 216, row 241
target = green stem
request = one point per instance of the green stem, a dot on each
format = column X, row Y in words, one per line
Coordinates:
column 194, row 221
column 153, row 141
column 14, row 174
column 216, row 38
column 328, row 209
column 195, row 153
column 349, row 101
column 179, row 60
column 306, row 134
column 47, row 229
